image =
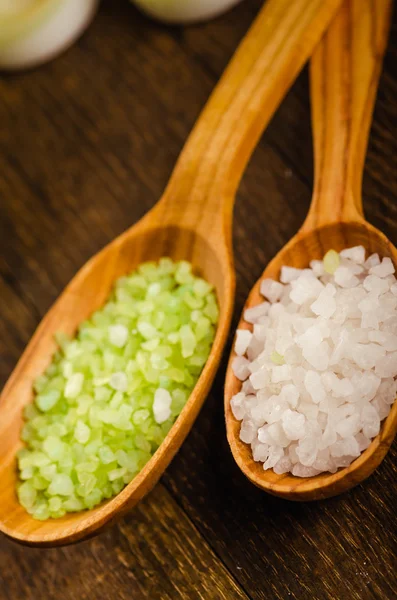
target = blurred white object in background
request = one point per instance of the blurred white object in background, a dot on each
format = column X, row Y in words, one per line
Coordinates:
column 34, row 31
column 184, row 11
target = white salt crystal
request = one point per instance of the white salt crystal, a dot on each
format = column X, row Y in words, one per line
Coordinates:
column 240, row 367
column 284, row 465
column 345, row 278
column 349, row 426
column 325, row 305
column 305, row 288
column 314, row 386
column 290, row 394
column 362, row 441
column 375, row 284
column 162, row 405
column 251, row 315
column 317, row 357
column 317, row 267
column 275, row 454
column 386, row 366
column 370, row 420
column 293, row 424
column 366, row 356
column 260, row 378
column 385, row 268
column 356, row 254
column 243, row 338
column 260, row 452
column 345, row 447
column 271, row 289
column 307, row 451
column 289, row 274
column 281, row 373
column 302, row 471
column 237, row 405
column 260, row 330
column 385, row 339
column 248, row 431
column 372, row 261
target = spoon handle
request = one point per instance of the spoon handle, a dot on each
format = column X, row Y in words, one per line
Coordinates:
column 344, row 75
column 202, row 187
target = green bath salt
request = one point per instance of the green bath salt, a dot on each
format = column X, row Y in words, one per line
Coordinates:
column 112, row 393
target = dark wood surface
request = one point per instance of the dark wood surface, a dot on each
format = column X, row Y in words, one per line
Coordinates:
column 87, row 144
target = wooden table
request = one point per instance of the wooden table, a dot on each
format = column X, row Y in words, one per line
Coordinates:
column 87, row 144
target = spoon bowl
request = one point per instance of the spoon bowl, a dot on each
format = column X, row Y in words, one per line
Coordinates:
column 303, row 248
column 342, row 110
column 192, row 221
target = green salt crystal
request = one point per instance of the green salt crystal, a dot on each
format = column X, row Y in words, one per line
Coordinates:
column 27, row 494
column 331, row 261
column 61, row 485
column 82, row 432
column 46, row 401
column 277, row 358
column 54, row 448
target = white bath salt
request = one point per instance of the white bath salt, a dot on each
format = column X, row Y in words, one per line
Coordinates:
column 355, row 254
column 319, row 365
column 271, row 289
column 252, row 315
column 243, row 338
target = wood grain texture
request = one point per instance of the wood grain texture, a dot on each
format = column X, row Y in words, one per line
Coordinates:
column 191, row 221
column 345, row 71
column 87, row 186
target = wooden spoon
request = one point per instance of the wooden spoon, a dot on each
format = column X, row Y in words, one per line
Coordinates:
column 192, row 221
column 345, row 70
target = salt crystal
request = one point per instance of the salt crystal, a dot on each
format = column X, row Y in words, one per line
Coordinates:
column 346, row 447
column 349, row 426
column 372, row 261
column 237, row 405
column 271, row 289
column 344, row 277
column 289, row 274
column 251, row 315
column 375, row 284
column 260, row 378
column 325, row 305
column 275, row 454
column 293, row 424
column 243, row 338
column 370, row 420
column 317, row 267
column 385, row 268
column 281, row 373
column 302, row 471
column 356, row 254
column 162, row 405
column 260, row 452
column 240, row 367
column 284, row 465
column 314, row 386
column 386, row 366
column 366, row 356
column 248, row 431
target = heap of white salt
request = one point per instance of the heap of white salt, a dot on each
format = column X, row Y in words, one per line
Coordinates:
column 319, row 367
